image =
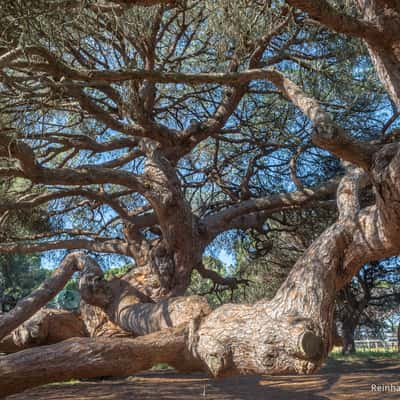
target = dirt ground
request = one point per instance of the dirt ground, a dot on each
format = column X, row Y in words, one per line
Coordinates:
column 337, row 380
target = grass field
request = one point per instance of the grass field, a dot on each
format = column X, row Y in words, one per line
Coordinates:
column 365, row 355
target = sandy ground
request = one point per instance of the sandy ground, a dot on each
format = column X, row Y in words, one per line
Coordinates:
column 338, row 380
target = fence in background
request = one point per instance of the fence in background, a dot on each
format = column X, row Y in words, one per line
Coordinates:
column 374, row 345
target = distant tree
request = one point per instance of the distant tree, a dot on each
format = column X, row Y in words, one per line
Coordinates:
column 118, row 271
column 367, row 299
column 19, row 275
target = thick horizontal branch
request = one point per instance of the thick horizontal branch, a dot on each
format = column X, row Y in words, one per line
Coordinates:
column 257, row 219
column 145, row 3
column 85, row 142
column 82, row 78
column 47, row 326
column 29, row 202
column 7, row 345
column 29, row 305
column 89, row 358
column 327, row 15
column 327, row 135
column 88, row 175
column 221, row 221
column 16, row 149
column 75, row 78
column 144, row 318
column 113, row 246
column 217, row 279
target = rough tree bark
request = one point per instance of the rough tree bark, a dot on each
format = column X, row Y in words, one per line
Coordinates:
column 47, row 326
column 290, row 334
column 386, row 54
column 89, row 358
column 378, row 27
column 111, row 308
column 28, row 306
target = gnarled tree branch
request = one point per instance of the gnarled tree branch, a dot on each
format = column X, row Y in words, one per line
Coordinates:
column 28, row 306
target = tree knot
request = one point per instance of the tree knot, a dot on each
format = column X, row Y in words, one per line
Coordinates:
column 311, row 346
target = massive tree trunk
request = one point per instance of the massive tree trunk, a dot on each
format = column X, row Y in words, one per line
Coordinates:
column 47, row 326
column 88, row 358
column 109, row 308
column 290, row 334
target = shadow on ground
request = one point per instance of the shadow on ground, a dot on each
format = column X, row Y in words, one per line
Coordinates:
column 337, row 380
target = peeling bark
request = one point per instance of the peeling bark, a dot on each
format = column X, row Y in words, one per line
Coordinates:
column 88, row 358
column 292, row 333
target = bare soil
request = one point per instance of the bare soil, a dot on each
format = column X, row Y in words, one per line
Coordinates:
column 338, row 380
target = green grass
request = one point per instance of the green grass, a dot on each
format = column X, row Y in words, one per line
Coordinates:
column 365, row 355
column 70, row 382
column 161, row 366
